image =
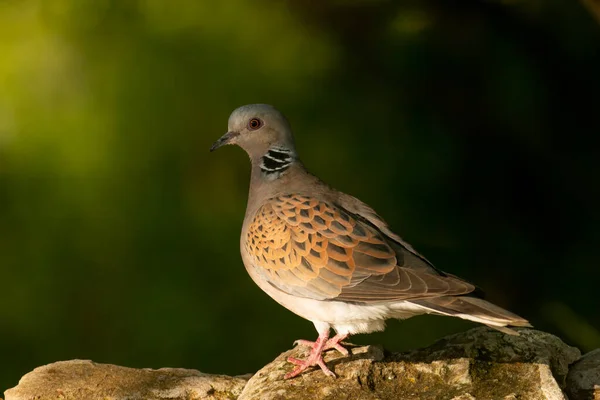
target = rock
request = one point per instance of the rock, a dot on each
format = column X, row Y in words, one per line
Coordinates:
column 82, row 379
column 477, row 364
column 583, row 380
column 485, row 344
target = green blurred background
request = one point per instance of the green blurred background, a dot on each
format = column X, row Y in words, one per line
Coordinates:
column 471, row 126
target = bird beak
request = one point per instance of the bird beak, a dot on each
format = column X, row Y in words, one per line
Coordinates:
column 223, row 140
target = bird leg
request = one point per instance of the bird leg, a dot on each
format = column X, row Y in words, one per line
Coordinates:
column 316, row 354
column 333, row 343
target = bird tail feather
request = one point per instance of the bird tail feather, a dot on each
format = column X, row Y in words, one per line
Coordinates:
column 474, row 309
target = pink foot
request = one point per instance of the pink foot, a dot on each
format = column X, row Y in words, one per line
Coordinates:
column 316, row 354
column 303, row 365
column 333, row 343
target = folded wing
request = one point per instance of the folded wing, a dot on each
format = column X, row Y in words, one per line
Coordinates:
column 310, row 248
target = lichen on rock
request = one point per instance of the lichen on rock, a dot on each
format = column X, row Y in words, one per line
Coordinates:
column 477, row 364
column 87, row 380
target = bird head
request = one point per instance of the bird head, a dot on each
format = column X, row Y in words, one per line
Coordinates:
column 257, row 128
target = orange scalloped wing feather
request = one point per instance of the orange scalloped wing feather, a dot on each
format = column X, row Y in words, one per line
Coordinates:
column 309, row 248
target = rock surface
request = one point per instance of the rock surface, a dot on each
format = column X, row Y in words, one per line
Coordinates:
column 86, row 380
column 583, row 381
column 478, row 364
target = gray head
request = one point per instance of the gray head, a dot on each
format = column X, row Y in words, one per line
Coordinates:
column 265, row 134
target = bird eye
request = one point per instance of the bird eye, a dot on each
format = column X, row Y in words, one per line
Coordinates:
column 254, row 124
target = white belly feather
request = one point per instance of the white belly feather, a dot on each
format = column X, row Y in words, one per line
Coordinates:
column 344, row 318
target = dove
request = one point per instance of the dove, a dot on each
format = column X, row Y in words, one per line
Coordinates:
column 330, row 258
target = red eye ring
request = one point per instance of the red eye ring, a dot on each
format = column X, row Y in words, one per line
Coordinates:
column 254, row 124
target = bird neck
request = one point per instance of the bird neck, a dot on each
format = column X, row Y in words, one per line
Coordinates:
column 264, row 185
column 276, row 162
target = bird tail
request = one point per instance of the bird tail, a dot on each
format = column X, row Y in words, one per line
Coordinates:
column 473, row 309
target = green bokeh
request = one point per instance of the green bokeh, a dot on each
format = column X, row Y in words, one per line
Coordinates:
column 472, row 127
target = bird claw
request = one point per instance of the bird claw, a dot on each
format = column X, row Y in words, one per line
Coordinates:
column 295, row 361
column 333, row 343
column 316, row 354
column 340, row 348
column 303, row 365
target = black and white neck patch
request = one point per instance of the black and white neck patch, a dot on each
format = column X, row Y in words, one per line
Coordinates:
column 276, row 161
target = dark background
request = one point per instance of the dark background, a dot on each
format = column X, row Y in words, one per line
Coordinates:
column 471, row 126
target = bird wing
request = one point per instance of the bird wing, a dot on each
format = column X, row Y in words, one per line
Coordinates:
column 316, row 249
